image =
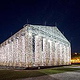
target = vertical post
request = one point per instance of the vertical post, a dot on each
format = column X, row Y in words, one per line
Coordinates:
column 56, row 54
column 23, row 50
column 30, row 50
column 20, row 51
column 26, row 48
column 52, row 53
column 60, row 54
column 69, row 55
column 38, row 50
column 46, row 51
column 9, row 53
column 14, row 51
column 64, row 55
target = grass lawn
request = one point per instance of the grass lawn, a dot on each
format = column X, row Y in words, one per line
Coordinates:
column 18, row 74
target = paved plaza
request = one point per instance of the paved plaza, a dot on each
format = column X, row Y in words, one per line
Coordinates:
column 74, row 75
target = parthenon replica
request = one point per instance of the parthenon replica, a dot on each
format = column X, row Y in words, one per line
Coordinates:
column 36, row 45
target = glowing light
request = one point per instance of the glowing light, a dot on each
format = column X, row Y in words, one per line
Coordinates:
column 75, row 60
column 49, row 40
column 75, row 53
column 30, row 34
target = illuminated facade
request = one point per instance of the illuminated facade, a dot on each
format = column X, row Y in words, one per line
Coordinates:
column 36, row 45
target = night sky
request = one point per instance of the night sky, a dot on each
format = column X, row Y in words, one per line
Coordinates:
column 65, row 14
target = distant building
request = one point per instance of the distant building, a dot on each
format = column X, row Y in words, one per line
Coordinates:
column 36, row 45
column 75, row 58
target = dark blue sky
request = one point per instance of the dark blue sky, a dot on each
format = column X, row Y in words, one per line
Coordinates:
column 65, row 13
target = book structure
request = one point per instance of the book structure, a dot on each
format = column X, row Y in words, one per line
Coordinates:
column 36, row 45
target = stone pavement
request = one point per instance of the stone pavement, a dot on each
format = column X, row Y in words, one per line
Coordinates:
column 75, row 75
